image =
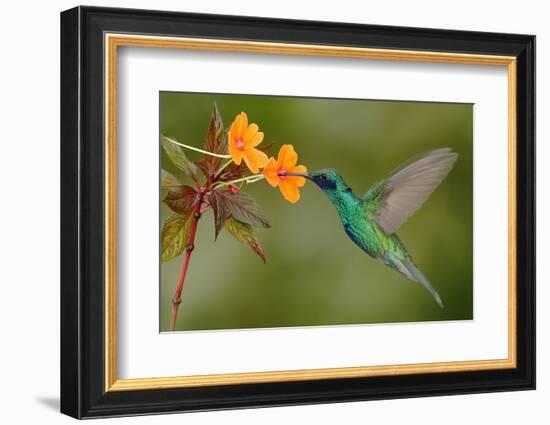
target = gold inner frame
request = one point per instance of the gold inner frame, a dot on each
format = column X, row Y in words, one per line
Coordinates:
column 113, row 41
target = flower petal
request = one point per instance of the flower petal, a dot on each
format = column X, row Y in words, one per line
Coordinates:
column 271, row 172
column 298, row 181
column 236, row 154
column 250, row 132
column 243, row 124
column 290, row 191
column 287, row 157
column 255, row 141
column 234, row 130
column 255, row 159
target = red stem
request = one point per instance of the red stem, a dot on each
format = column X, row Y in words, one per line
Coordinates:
column 176, row 300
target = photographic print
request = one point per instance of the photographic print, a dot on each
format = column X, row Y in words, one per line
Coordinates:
column 312, row 212
column 290, row 211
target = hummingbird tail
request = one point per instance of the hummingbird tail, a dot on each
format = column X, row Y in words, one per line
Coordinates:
column 408, row 269
column 420, row 278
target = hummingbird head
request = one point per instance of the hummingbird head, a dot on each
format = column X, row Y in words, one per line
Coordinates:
column 328, row 180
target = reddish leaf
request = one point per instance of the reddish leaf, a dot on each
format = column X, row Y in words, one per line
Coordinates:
column 244, row 208
column 265, row 148
column 217, row 203
column 208, row 165
column 215, row 142
column 244, row 233
column 240, row 206
column 180, row 199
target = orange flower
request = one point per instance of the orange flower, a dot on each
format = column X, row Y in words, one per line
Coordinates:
column 243, row 139
column 286, row 162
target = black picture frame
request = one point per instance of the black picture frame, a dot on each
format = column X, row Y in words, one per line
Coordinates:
column 83, row 392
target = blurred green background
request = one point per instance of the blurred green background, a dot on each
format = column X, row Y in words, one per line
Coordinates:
column 315, row 275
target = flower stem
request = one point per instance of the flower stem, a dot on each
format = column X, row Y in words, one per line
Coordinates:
column 217, row 155
column 176, row 300
column 248, row 180
column 224, row 167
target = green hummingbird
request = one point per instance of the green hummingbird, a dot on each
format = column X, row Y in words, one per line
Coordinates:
column 371, row 220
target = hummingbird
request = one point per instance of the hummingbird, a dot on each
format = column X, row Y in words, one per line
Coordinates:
column 371, row 220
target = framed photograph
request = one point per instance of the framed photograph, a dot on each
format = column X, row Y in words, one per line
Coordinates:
column 261, row 212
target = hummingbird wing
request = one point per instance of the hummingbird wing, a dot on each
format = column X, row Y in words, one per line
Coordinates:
column 399, row 195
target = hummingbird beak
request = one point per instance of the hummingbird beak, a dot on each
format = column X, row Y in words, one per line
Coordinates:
column 305, row 175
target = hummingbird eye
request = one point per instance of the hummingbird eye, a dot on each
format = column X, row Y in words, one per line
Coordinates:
column 323, row 176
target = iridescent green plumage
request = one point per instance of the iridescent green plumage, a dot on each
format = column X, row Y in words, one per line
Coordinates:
column 371, row 220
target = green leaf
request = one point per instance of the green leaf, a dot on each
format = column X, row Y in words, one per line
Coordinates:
column 167, row 180
column 244, row 233
column 174, row 236
column 178, row 157
column 217, row 204
column 180, row 199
